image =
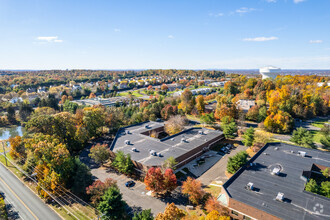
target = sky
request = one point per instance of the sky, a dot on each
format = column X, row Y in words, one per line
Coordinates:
column 162, row 34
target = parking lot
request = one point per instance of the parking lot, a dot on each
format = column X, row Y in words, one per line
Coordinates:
column 136, row 196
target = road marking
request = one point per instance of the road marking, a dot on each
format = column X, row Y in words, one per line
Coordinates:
column 19, row 199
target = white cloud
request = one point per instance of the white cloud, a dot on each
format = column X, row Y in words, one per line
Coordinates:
column 259, row 39
column 49, row 39
column 316, row 41
column 170, row 36
column 244, row 10
column 116, row 30
column 298, row 1
column 216, row 15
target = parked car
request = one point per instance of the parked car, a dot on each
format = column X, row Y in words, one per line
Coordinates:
column 130, row 183
column 221, row 153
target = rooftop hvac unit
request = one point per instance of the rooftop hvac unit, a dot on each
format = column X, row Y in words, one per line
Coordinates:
column 128, row 132
column 276, row 171
column 280, row 197
column 134, row 149
column 183, row 140
column 160, row 155
column 249, row 186
column 302, row 153
column 200, row 132
column 276, row 148
column 146, row 126
column 127, row 142
column 153, row 153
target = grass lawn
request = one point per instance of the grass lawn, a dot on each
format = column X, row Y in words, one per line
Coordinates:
column 213, row 190
column 316, row 136
column 134, row 93
column 320, row 123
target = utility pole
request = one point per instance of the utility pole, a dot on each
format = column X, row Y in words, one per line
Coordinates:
column 4, row 152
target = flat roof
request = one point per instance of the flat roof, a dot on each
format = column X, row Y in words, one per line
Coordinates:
column 170, row 146
column 298, row 203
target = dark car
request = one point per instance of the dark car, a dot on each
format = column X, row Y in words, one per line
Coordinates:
column 130, row 183
column 221, row 153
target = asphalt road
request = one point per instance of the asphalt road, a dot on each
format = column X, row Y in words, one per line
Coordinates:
column 23, row 203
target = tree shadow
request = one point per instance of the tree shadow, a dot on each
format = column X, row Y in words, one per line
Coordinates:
column 12, row 214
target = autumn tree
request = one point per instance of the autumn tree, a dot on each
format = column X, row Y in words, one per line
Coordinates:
column 215, row 215
column 98, row 188
column 170, row 181
column 17, row 148
column 171, row 213
column 280, row 122
column 253, row 113
column 168, row 111
column 193, row 188
column 100, row 153
column 212, row 204
column 175, row 124
column 187, row 103
column 200, row 105
column 164, row 87
column 154, row 180
column 92, row 95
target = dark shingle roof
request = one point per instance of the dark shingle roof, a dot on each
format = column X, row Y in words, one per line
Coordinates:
column 168, row 147
column 298, row 204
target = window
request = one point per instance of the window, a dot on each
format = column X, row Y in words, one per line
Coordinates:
column 246, row 218
column 234, row 212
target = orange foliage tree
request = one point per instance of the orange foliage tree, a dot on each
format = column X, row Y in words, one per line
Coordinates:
column 171, row 213
column 193, row 188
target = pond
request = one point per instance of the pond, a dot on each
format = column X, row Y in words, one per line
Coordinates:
column 6, row 133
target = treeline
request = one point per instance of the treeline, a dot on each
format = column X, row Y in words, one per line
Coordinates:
column 34, row 79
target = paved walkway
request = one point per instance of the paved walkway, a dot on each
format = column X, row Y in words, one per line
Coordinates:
column 217, row 172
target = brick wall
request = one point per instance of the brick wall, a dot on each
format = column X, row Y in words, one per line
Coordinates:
column 243, row 208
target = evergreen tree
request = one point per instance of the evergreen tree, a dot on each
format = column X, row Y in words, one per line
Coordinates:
column 248, row 137
column 111, row 205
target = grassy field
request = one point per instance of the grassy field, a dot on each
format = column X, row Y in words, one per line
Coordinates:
column 320, row 123
column 134, row 93
column 213, row 190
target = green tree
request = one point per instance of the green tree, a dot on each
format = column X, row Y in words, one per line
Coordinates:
column 229, row 127
column 311, row 186
column 144, row 215
column 303, row 137
column 236, row 162
column 100, row 153
column 70, row 107
column 170, row 163
column 325, row 189
column 325, row 173
column 111, row 205
column 248, row 137
column 11, row 116
column 208, row 118
column 25, row 111
column 81, row 178
column 123, row 162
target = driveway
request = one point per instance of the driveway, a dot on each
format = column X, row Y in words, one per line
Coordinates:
column 217, row 172
column 136, row 196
